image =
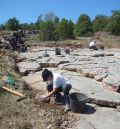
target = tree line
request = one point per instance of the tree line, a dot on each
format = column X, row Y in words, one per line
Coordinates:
column 51, row 28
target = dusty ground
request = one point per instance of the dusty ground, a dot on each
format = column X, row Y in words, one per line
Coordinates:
column 27, row 115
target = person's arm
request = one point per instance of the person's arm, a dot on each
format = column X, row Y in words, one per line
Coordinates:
column 52, row 92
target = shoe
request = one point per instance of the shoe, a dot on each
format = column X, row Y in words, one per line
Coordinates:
column 67, row 107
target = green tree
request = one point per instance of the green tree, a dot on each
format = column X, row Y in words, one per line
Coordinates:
column 40, row 20
column 70, row 29
column 83, row 26
column 32, row 26
column 66, row 29
column 50, row 16
column 56, row 26
column 63, row 29
column 24, row 26
column 2, row 27
column 13, row 24
column 114, row 23
column 47, row 31
column 99, row 23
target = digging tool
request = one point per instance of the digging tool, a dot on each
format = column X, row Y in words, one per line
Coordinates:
column 15, row 93
column 21, row 98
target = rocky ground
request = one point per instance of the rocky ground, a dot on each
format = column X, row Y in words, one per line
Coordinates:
column 16, row 40
column 26, row 114
column 19, row 113
column 94, row 73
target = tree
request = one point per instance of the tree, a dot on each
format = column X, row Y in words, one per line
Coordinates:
column 63, row 33
column 70, row 29
column 13, row 24
column 47, row 31
column 24, row 26
column 114, row 23
column 50, row 16
column 32, row 26
column 39, row 20
column 83, row 26
column 56, row 21
column 99, row 23
column 66, row 29
column 2, row 27
column 56, row 26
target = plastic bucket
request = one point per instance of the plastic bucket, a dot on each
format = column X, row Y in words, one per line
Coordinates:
column 77, row 102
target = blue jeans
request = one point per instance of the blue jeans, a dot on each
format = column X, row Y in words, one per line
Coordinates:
column 65, row 89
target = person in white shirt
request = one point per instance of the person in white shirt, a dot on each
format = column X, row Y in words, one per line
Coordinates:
column 92, row 45
column 57, row 83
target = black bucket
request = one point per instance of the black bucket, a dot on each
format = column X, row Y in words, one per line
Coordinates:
column 77, row 102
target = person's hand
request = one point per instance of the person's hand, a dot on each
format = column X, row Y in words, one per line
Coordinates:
column 43, row 96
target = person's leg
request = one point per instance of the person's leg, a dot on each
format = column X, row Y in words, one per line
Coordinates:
column 66, row 88
column 49, row 87
column 56, row 95
column 90, row 47
column 95, row 48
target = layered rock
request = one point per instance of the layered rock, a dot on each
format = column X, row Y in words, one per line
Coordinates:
column 27, row 67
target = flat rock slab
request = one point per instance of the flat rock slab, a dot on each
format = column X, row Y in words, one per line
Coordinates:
column 88, row 70
column 30, row 56
column 88, row 63
column 112, row 82
column 83, row 124
column 38, row 53
column 105, row 118
column 35, row 81
column 99, row 118
column 93, row 89
column 114, row 69
column 53, row 61
column 26, row 67
column 84, row 63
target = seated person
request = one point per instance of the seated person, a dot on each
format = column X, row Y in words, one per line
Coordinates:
column 92, row 45
column 99, row 42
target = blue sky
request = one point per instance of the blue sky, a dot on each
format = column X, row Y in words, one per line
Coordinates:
column 29, row 10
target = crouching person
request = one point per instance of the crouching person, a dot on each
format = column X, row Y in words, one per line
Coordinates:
column 57, row 83
column 92, row 45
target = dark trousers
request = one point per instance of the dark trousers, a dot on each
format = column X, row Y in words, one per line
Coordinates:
column 93, row 47
column 65, row 89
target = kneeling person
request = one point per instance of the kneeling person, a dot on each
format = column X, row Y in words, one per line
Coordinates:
column 57, row 83
column 92, row 45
